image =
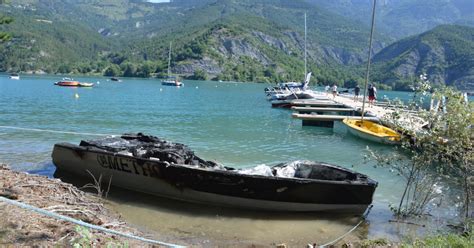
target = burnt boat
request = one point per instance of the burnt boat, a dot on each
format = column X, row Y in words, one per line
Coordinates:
column 151, row 165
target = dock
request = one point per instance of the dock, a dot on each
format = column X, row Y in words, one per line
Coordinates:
column 324, row 112
column 322, row 120
column 316, row 103
column 321, row 109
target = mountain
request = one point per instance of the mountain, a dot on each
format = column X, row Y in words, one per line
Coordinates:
column 402, row 18
column 42, row 42
column 244, row 40
column 223, row 38
column 445, row 53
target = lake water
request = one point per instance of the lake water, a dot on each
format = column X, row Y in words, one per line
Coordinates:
column 231, row 123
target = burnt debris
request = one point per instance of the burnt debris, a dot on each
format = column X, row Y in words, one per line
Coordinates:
column 149, row 147
column 153, row 148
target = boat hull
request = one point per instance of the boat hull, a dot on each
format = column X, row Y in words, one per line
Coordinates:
column 73, row 84
column 356, row 131
column 68, row 83
column 86, row 84
column 214, row 187
column 172, row 83
column 281, row 103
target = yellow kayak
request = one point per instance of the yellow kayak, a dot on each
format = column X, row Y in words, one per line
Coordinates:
column 372, row 131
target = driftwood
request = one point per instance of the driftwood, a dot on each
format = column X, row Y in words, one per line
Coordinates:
column 26, row 228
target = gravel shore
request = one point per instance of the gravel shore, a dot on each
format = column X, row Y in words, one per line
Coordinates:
column 21, row 227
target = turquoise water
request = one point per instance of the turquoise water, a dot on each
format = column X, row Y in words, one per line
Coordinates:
column 231, row 123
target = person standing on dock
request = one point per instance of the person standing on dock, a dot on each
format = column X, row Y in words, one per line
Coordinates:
column 334, row 91
column 356, row 93
column 326, row 89
column 372, row 94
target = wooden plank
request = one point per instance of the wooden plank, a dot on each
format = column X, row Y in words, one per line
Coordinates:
column 376, row 111
column 316, row 103
column 310, row 117
column 320, row 109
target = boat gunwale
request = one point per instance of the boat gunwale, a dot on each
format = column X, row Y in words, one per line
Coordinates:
column 353, row 126
column 368, row 181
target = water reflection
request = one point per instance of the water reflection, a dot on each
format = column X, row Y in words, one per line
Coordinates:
column 196, row 224
column 204, row 225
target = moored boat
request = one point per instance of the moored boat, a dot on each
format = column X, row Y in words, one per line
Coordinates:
column 86, row 84
column 372, row 131
column 282, row 95
column 170, row 80
column 154, row 166
column 14, row 76
column 115, row 79
column 69, row 82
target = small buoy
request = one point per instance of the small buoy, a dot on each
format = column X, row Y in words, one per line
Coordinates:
column 197, row 87
column 76, row 95
column 98, row 82
column 161, row 89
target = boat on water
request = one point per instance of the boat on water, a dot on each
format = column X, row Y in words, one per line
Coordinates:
column 115, row 79
column 282, row 95
column 284, row 99
column 84, row 84
column 287, row 89
column 14, row 76
column 151, row 165
column 366, row 129
column 69, row 82
column 284, row 88
column 370, row 130
column 171, row 81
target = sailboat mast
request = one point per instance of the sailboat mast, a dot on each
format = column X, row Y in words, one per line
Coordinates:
column 169, row 62
column 368, row 60
column 305, row 70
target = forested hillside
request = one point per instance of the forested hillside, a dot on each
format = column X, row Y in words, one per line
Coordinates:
column 243, row 40
column 445, row 53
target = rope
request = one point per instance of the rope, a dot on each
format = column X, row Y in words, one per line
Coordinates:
column 351, row 230
column 82, row 223
column 53, row 131
column 57, row 216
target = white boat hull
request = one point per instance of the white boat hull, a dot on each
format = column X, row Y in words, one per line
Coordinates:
column 172, row 83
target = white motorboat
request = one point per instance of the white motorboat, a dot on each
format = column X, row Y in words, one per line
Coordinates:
column 14, row 76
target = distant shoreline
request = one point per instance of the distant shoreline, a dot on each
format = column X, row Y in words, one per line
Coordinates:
column 157, row 78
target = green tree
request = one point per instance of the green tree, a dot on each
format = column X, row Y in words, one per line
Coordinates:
column 113, row 71
column 444, row 150
column 129, row 69
column 145, row 69
column 199, row 75
column 64, row 69
column 4, row 20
